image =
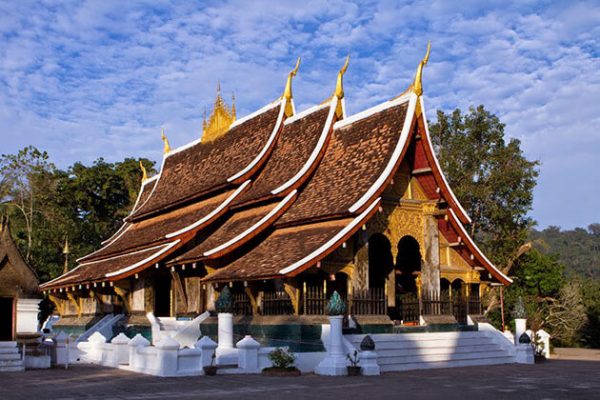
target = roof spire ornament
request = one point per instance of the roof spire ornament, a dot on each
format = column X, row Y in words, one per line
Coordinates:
column 418, row 83
column 167, row 147
column 339, row 89
column 66, row 253
column 144, row 174
column 287, row 92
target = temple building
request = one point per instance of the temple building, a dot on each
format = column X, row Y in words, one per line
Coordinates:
column 285, row 208
column 19, row 291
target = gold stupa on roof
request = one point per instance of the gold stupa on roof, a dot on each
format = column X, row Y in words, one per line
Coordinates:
column 220, row 120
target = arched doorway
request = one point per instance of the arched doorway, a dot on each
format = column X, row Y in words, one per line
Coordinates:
column 458, row 288
column 444, row 285
column 408, row 262
column 162, row 295
column 381, row 261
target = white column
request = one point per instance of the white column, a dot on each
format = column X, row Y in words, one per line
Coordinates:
column 335, row 361
column 97, row 341
column 225, row 335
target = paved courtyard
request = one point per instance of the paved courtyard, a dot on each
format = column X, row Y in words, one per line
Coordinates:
column 554, row 379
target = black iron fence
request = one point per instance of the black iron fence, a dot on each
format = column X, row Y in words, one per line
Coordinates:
column 241, row 304
column 368, row 302
column 409, row 307
column 314, row 301
column 276, row 303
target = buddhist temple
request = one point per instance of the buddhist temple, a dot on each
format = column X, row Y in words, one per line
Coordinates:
column 283, row 208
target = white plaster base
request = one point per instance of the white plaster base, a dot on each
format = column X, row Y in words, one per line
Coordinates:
column 332, row 366
column 27, row 315
column 368, row 362
column 524, row 354
column 37, row 362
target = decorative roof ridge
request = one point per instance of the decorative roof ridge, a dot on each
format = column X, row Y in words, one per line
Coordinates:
column 463, row 216
column 266, row 148
column 269, row 217
column 110, row 243
column 396, row 155
column 256, row 113
column 213, row 214
column 374, row 110
column 306, row 113
column 341, row 236
column 476, row 251
column 144, row 261
column 314, row 156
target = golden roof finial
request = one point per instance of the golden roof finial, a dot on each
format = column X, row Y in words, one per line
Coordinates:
column 287, row 92
column 144, row 174
column 418, row 83
column 66, row 246
column 339, row 86
column 219, row 121
column 167, row 147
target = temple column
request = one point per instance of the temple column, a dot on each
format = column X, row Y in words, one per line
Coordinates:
column 430, row 268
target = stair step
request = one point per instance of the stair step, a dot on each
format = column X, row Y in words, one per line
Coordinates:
column 433, row 358
column 442, row 350
column 8, row 344
column 448, row 364
column 11, row 363
column 225, row 366
column 12, row 369
column 9, row 350
column 9, row 356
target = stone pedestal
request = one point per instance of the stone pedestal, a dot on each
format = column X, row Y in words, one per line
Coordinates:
column 335, row 361
column 27, row 315
column 525, row 354
column 520, row 328
column 368, row 363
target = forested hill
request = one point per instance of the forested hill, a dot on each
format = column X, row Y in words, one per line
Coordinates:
column 578, row 249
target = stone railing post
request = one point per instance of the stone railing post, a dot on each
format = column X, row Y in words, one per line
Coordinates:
column 208, row 347
column 248, row 355
column 120, row 350
column 97, row 341
column 60, row 353
column 166, row 356
column 135, row 343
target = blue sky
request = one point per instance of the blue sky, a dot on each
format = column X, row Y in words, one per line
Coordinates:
column 93, row 79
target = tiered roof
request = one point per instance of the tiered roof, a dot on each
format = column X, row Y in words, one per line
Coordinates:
column 277, row 193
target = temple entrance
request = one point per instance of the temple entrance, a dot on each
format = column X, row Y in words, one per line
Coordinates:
column 6, row 318
column 381, row 261
column 408, row 264
column 162, row 296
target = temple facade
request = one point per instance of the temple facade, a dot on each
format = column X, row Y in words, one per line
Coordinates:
column 285, row 208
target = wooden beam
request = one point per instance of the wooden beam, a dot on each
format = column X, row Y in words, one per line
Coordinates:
column 421, row 171
column 124, row 295
column 179, row 288
column 294, row 294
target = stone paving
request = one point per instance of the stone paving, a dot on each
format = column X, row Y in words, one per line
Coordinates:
column 553, row 379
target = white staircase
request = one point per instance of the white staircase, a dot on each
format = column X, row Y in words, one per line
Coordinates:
column 104, row 326
column 10, row 359
column 406, row 351
column 186, row 332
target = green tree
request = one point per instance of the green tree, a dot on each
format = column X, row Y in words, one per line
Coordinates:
column 490, row 176
column 27, row 179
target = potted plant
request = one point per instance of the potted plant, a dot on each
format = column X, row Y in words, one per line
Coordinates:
column 538, row 348
column 211, row 370
column 283, row 363
column 353, row 368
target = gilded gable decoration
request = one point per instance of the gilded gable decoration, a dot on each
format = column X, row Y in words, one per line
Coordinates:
column 220, row 120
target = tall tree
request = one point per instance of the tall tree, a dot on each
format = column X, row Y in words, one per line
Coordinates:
column 490, row 176
column 27, row 178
